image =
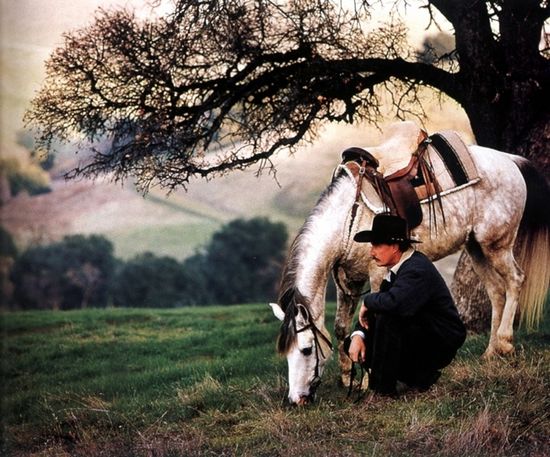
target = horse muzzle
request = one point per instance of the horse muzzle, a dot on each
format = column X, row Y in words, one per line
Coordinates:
column 305, row 400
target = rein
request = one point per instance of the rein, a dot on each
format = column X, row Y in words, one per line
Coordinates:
column 352, row 375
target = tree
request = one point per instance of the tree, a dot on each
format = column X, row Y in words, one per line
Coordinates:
column 241, row 264
column 243, row 261
column 73, row 273
column 8, row 254
column 221, row 85
column 21, row 177
column 150, row 281
column 8, row 247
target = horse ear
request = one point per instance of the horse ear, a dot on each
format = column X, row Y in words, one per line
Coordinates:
column 278, row 311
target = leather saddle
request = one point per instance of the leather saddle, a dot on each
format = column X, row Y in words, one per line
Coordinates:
column 396, row 189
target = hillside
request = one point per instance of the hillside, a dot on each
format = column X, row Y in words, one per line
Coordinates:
column 159, row 222
column 179, row 223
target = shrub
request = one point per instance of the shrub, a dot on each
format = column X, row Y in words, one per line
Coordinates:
column 150, row 281
column 244, row 259
column 30, row 178
column 73, row 273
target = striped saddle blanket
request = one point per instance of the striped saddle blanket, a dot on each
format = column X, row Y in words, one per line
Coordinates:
column 451, row 163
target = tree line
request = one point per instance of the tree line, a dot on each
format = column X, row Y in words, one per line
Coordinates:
column 241, row 264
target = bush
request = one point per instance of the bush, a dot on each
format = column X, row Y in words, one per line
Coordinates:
column 243, row 261
column 150, row 281
column 7, row 244
column 241, row 264
column 8, row 254
column 73, row 273
column 30, row 178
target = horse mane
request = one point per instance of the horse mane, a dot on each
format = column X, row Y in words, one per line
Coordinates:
column 289, row 294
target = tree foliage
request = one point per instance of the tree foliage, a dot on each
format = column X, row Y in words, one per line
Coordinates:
column 24, row 177
column 244, row 260
column 241, row 264
column 73, row 273
column 221, row 85
column 148, row 281
column 8, row 248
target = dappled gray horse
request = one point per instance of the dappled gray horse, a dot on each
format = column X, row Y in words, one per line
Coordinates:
column 484, row 215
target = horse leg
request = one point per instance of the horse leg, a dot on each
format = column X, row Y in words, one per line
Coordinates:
column 503, row 279
column 345, row 310
column 496, row 291
column 505, row 265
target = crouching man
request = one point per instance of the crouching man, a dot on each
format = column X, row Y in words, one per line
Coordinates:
column 410, row 329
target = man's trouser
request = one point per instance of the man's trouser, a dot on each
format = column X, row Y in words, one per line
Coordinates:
column 402, row 349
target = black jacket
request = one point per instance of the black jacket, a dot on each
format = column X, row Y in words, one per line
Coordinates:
column 418, row 292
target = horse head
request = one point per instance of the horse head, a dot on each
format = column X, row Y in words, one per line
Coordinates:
column 307, row 347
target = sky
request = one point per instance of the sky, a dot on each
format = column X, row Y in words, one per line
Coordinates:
column 29, row 31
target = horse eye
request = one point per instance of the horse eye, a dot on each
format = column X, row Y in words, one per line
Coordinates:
column 306, row 351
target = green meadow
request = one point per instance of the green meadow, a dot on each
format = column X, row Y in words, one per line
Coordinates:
column 207, row 382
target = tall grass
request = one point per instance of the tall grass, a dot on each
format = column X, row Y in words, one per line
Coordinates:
column 207, row 381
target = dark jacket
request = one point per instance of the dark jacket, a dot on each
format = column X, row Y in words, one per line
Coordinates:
column 419, row 293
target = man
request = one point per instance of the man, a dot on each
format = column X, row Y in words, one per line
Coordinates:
column 410, row 329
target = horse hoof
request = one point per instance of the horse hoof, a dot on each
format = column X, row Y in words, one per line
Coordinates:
column 505, row 348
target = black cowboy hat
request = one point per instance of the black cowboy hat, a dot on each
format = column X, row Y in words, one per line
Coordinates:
column 386, row 229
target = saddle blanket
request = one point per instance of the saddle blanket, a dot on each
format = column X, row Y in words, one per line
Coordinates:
column 451, row 162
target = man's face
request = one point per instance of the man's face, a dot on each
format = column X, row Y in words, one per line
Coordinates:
column 385, row 255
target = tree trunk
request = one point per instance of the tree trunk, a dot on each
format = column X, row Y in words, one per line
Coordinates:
column 471, row 299
column 504, row 93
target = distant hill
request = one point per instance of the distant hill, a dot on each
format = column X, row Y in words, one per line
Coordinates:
column 179, row 223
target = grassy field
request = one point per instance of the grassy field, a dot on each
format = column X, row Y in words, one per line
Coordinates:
column 207, row 381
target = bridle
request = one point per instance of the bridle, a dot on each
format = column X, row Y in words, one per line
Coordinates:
column 317, row 335
column 352, row 375
column 310, row 325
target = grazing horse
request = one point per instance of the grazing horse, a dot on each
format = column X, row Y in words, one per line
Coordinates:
column 506, row 206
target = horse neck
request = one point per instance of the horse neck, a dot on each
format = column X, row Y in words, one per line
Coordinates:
column 318, row 244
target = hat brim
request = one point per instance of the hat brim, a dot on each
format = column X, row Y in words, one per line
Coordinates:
column 367, row 236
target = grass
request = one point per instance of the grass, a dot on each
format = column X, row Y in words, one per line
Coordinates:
column 207, row 381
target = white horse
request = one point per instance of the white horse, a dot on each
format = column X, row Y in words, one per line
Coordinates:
column 508, row 205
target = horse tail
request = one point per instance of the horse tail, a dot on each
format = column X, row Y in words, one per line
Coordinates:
column 532, row 248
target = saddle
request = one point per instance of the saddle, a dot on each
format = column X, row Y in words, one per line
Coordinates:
column 406, row 149
column 409, row 168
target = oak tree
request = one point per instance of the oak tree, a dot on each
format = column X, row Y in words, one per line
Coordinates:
column 220, row 85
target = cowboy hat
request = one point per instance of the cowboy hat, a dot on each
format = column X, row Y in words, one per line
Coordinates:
column 386, row 229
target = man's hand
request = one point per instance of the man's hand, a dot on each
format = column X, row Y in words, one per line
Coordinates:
column 363, row 316
column 357, row 349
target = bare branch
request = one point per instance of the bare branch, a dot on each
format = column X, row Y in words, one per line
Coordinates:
column 221, row 85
